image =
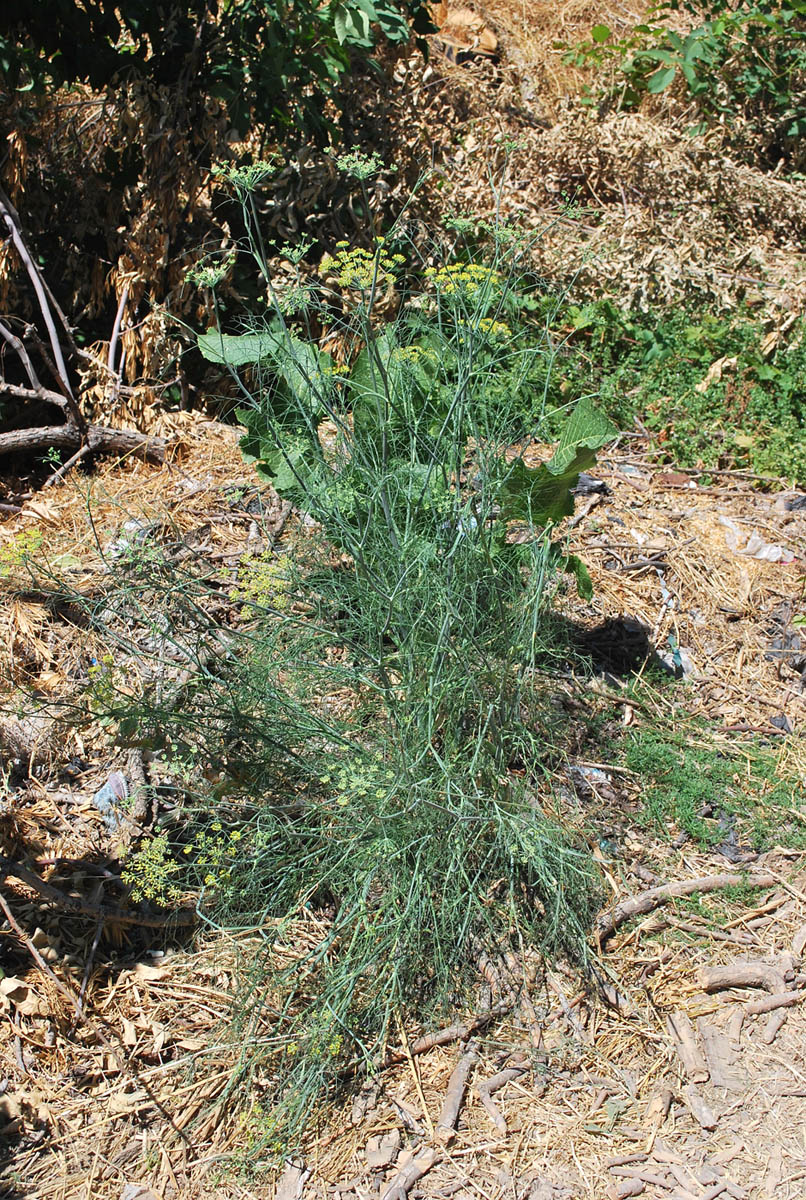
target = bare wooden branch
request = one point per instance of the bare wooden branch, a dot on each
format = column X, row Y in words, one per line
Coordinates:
column 451, row 1033
column 776, row 1000
column 645, row 902
column 36, row 393
column 741, row 975
column 407, row 1176
column 98, row 439
column 446, row 1125
column 487, row 1087
column 682, row 1034
column 19, row 348
column 113, row 341
column 774, row 1022
column 9, row 216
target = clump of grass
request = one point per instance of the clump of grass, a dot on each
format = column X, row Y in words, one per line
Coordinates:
column 712, row 790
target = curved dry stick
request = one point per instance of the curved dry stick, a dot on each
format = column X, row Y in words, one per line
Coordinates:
column 446, row 1125
column 741, row 975
column 119, row 916
column 645, row 902
column 407, row 1176
column 9, row 215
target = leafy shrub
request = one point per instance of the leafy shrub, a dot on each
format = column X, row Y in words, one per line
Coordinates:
column 268, row 61
column 744, row 66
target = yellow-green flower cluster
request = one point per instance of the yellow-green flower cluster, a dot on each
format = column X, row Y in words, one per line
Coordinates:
column 462, row 279
column 496, row 331
column 15, row 552
column 263, row 580
column 414, row 354
column 364, row 782
column 149, row 870
column 362, row 269
column 214, row 852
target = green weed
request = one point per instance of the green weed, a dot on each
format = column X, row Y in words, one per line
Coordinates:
column 715, row 792
column 354, row 723
column 748, row 413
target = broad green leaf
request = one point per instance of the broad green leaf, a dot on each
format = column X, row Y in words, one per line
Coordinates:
column 586, row 429
column 576, row 567
column 601, row 33
column 660, row 80
column 542, row 495
column 237, row 350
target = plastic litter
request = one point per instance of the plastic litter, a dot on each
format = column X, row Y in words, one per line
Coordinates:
column 755, row 545
column 132, row 534
column 109, row 798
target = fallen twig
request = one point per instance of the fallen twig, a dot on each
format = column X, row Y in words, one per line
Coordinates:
column 407, row 1176
column 486, row 1088
column 776, row 1000
column 645, row 902
column 740, row 975
column 96, row 438
column 446, row 1125
column 451, row 1033
column 774, row 1023
column 681, row 1032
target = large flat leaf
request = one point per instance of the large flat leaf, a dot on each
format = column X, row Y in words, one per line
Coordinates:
column 238, row 350
column 542, row 495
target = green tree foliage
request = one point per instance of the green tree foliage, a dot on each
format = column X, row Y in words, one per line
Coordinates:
column 268, row 60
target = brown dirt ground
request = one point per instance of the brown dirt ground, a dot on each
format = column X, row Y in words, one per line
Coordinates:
column 141, row 1101
column 134, row 1095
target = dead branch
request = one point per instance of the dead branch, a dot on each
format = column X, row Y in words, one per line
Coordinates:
column 451, row 1033
column 407, row 1176
column 486, row 1088
column 9, row 215
column 774, row 1023
column 446, row 1125
column 98, row 439
column 645, row 902
column 776, row 1000
column 740, row 975
column 43, row 394
column 681, row 1032
column 117, row 916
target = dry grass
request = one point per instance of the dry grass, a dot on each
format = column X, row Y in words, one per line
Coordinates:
column 84, row 1117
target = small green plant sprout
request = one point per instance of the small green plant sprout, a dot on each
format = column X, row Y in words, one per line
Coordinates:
column 19, row 550
column 151, row 872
